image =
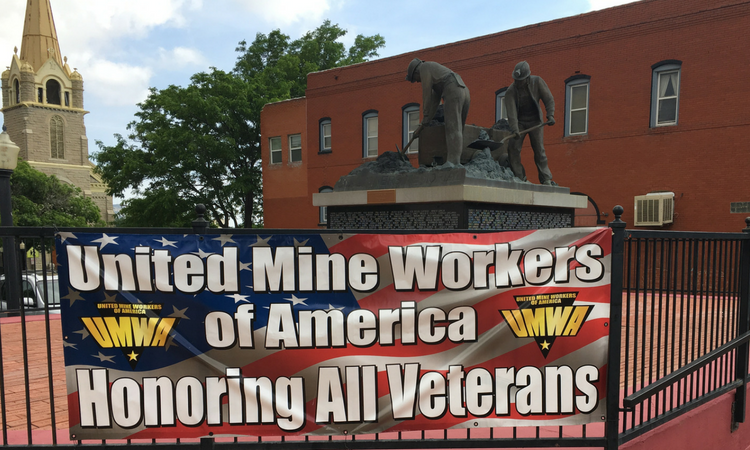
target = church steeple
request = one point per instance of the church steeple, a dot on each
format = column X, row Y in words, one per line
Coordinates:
column 43, row 108
column 39, row 41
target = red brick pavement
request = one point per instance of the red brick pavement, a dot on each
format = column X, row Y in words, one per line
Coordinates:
column 40, row 401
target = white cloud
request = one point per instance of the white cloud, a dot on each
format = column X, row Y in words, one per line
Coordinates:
column 287, row 12
column 94, row 24
column 180, row 57
column 116, row 84
column 602, row 4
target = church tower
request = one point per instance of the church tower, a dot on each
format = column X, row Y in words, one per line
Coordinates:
column 43, row 108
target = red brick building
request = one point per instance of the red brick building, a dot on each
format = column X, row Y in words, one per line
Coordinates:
column 650, row 97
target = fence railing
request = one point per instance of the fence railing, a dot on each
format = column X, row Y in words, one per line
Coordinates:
column 685, row 316
column 678, row 325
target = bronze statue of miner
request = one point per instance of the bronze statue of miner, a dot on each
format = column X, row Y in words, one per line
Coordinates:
column 524, row 113
column 440, row 82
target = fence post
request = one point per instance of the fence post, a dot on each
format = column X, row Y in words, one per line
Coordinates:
column 200, row 224
column 615, row 330
column 743, row 326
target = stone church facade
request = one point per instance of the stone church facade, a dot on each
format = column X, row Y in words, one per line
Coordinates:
column 43, row 108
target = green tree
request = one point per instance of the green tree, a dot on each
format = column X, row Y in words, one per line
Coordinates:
column 42, row 200
column 201, row 143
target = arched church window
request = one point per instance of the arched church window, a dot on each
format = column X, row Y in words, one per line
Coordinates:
column 17, row 91
column 53, row 92
column 57, row 143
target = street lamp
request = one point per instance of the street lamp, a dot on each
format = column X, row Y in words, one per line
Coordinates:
column 8, row 163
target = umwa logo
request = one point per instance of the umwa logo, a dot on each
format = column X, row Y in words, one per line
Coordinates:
column 545, row 317
column 130, row 327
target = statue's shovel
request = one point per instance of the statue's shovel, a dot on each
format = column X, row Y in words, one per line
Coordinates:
column 524, row 132
column 406, row 147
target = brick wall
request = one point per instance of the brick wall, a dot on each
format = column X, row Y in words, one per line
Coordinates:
column 701, row 160
column 286, row 199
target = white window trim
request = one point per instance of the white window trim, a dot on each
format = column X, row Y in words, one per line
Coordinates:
column 656, row 71
column 295, row 148
column 271, row 151
column 406, row 133
column 569, row 105
column 365, row 135
column 500, row 105
column 323, row 148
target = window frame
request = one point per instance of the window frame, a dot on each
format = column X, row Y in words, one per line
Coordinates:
column 271, row 151
column 323, row 210
column 53, row 87
column 17, row 91
column 57, row 132
column 571, row 83
column 500, row 104
column 369, row 114
column 322, row 145
column 406, row 110
column 291, row 149
column 658, row 69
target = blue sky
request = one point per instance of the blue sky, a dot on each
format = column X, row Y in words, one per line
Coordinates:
column 123, row 47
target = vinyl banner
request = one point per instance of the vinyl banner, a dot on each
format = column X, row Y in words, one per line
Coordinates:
column 322, row 334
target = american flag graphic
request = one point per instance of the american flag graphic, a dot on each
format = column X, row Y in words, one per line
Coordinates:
column 325, row 334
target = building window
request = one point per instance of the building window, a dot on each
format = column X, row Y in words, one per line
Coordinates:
column 325, row 135
column 53, row 92
column 40, row 95
column 665, row 93
column 500, row 111
column 295, row 147
column 410, row 124
column 370, row 134
column 56, row 138
column 323, row 210
column 17, row 93
column 577, row 105
column 274, row 144
column 67, row 98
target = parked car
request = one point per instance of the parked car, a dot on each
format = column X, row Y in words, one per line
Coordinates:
column 32, row 288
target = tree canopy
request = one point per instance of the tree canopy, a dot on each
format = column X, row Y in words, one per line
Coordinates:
column 42, row 200
column 201, row 143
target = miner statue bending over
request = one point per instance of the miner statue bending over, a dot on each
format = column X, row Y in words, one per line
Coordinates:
column 440, row 82
column 525, row 117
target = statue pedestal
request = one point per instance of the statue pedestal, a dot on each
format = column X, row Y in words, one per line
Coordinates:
column 446, row 200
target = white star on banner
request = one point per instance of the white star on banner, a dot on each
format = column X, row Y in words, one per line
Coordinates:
column 224, row 238
column 202, row 254
column 104, row 240
column 239, row 298
column 73, row 295
column 261, row 242
column 245, row 266
column 103, row 358
column 179, row 313
column 298, row 243
column 68, row 344
column 296, row 301
column 166, row 243
column 83, row 332
column 66, row 235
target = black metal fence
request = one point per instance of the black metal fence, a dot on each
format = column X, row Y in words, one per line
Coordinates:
column 678, row 331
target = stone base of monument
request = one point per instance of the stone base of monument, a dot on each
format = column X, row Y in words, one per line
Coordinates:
column 447, row 200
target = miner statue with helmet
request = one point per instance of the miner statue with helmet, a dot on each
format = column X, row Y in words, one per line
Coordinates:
column 440, row 82
column 525, row 117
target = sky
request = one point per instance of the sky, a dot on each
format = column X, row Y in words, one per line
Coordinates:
column 123, row 47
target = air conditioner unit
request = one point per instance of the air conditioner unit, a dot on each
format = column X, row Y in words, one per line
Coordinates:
column 654, row 209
